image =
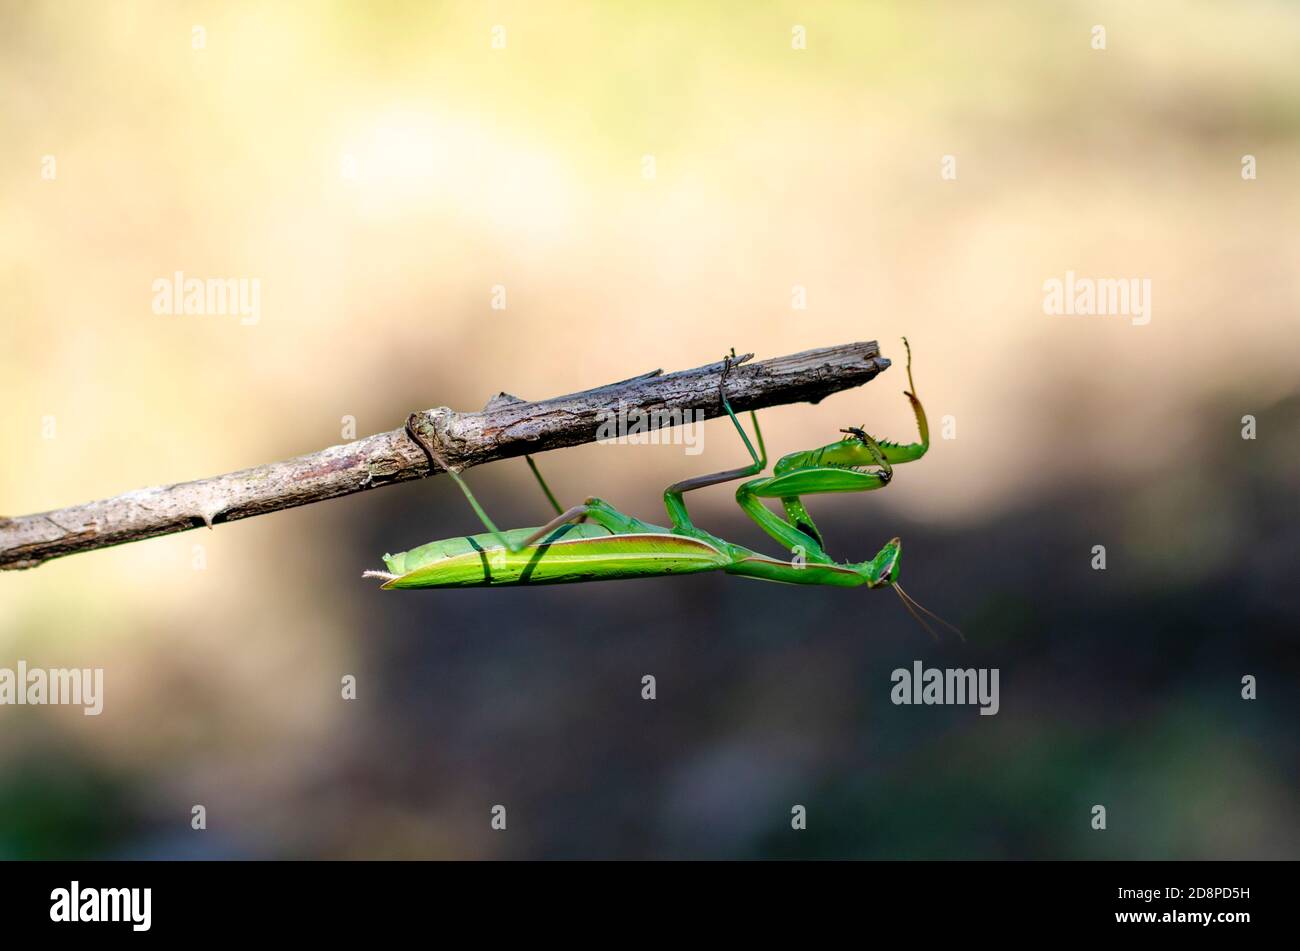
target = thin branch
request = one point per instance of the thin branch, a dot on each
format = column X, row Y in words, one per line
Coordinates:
column 506, row 427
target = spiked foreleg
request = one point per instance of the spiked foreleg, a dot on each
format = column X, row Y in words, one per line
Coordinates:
column 789, row 536
column 800, row 519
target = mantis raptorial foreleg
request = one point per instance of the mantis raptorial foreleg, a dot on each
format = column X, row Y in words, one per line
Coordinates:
column 795, row 511
column 673, row 501
column 802, row 478
column 778, row 528
column 838, row 467
column 436, row 459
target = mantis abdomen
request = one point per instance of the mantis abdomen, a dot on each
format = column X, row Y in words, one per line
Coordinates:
column 569, row 554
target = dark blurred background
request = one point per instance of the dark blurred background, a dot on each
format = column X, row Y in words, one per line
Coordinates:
column 382, row 168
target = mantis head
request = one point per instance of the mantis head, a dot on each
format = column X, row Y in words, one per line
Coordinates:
column 882, row 572
column 883, row 569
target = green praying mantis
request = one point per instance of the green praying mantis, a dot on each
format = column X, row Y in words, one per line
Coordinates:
column 594, row 541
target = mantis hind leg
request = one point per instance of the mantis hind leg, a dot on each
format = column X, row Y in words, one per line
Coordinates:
column 673, row 500
column 435, row 459
column 550, row 496
column 599, row 511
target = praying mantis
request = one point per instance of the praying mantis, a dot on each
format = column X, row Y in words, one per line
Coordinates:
column 595, row 541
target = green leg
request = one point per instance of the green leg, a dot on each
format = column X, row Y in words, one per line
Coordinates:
column 673, row 501
column 599, row 511
column 797, row 514
column 747, row 497
column 550, row 496
column 436, row 459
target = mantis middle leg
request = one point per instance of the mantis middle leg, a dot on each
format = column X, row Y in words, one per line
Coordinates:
column 673, row 500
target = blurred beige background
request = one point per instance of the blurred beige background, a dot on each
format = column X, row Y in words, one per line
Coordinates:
column 381, row 167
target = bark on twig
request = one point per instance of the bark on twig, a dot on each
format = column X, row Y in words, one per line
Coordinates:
column 505, row 427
